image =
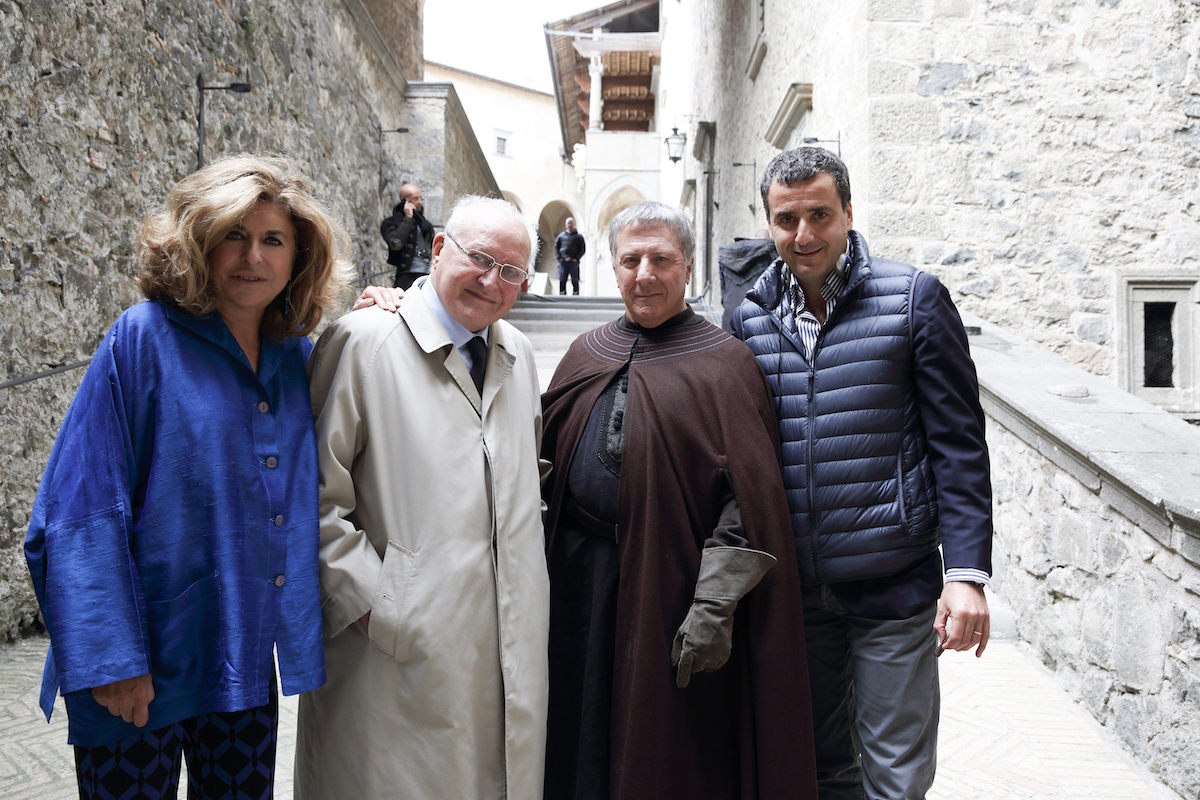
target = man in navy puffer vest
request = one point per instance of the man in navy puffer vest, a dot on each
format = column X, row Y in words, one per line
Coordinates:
column 884, row 460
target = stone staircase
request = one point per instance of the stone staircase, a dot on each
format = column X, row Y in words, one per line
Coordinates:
column 552, row 322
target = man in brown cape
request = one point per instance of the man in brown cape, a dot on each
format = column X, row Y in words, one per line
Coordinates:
column 667, row 516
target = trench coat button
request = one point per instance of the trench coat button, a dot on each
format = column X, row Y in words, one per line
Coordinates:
column 278, row 520
column 272, row 462
column 264, row 406
column 279, row 580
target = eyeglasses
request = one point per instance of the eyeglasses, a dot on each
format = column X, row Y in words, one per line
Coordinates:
column 483, row 262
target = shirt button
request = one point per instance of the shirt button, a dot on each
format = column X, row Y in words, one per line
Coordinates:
column 272, row 462
column 264, row 406
column 278, row 520
column 279, row 580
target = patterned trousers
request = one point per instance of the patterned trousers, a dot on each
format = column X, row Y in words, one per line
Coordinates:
column 230, row 756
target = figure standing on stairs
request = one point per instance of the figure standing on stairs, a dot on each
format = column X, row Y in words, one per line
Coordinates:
column 569, row 247
column 409, row 237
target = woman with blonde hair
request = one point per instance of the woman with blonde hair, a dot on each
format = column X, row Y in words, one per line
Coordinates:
column 173, row 542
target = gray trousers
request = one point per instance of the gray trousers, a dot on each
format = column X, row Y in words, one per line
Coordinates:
column 875, row 700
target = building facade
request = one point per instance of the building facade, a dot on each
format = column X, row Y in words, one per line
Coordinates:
column 607, row 71
column 1040, row 158
column 517, row 129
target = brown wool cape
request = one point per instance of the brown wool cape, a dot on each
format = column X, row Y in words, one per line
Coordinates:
column 697, row 403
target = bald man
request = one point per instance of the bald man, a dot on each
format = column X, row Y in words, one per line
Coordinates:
column 409, row 237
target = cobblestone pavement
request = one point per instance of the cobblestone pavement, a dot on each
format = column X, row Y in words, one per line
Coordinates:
column 1008, row 732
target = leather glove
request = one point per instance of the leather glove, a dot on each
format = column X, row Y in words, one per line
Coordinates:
column 705, row 639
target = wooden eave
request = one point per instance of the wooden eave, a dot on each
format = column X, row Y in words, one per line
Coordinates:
column 627, row 76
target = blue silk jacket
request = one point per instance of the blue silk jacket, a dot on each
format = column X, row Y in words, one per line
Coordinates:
column 175, row 527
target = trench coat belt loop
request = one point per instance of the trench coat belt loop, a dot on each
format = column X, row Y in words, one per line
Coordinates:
column 594, row 526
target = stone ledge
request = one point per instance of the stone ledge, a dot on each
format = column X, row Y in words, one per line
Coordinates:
column 1139, row 459
column 366, row 26
column 446, row 93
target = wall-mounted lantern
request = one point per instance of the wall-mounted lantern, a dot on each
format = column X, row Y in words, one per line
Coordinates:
column 675, row 144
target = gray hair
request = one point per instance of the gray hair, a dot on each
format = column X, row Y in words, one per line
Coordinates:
column 455, row 222
column 652, row 212
column 803, row 164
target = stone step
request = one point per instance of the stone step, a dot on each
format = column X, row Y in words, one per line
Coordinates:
column 561, row 327
column 552, row 342
column 556, row 316
column 568, row 300
column 553, row 322
column 599, row 314
column 538, row 305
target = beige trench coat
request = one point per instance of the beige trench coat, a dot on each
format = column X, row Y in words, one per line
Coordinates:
column 430, row 520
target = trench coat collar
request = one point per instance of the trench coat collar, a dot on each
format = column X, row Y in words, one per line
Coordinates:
column 431, row 336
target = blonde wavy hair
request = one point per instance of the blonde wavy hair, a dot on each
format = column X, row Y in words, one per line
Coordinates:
column 175, row 242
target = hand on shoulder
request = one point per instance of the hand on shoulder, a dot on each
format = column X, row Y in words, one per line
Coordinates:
column 386, row 297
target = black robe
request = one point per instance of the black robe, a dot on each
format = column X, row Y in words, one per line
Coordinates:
column 699, row 419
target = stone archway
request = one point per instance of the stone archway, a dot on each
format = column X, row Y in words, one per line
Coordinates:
column 551, row 222
column 617, row 202
column 512, row 198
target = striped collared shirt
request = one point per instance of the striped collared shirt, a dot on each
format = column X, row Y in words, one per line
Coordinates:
column 805, row 324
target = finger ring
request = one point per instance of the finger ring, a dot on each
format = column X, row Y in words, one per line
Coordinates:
column 979, row 633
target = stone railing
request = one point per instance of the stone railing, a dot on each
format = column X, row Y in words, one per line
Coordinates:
column 1097, row 503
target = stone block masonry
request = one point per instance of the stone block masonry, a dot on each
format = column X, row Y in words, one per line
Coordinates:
column 1056, row 144
column 98, row 107
column 1030, row 154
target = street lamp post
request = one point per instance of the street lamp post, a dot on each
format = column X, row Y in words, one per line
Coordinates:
column 240, row 88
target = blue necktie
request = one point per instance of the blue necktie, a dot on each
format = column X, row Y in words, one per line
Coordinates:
column 478, row 352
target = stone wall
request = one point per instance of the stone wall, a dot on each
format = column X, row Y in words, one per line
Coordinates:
column 98, row 104
column 446, row 146
column 1097, row 546
column 819, row 44
column 1029, row 151
column 1108, row 607
column 394, row 19
column 1023, row 152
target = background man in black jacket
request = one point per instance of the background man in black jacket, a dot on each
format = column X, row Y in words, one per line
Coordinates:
column 409, row 237
column 569, row 247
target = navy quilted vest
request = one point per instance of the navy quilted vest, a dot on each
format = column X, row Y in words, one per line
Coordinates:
column 859, row 484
